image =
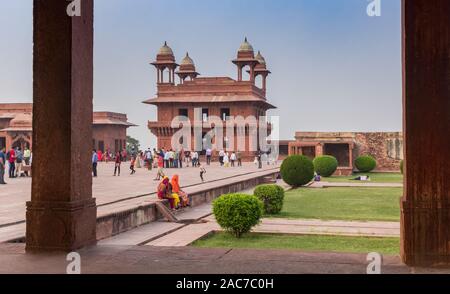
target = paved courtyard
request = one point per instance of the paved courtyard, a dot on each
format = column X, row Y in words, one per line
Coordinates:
column 109, row 190
column 189, row 260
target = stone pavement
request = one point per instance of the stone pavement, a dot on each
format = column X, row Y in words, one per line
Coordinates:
column 108, row 189
column 189, row 234
column 188, row 260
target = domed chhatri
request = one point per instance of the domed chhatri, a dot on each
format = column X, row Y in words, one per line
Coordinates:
column 260, row 58
column 165, row 54
column 165, row 60
column 246, row 46
column 165, row 50
column 187, row 60
column 187, row 69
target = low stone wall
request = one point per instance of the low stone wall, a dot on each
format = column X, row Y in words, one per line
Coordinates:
column 122, row 221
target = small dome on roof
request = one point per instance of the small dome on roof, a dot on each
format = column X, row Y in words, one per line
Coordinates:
column 187, row 60
column 246, row 47
column 260, row 58
column 165, row 50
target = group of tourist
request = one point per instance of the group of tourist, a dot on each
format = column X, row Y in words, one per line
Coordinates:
column 228, row 160
column 16, row 159
column 170, row 190
column 168, row 159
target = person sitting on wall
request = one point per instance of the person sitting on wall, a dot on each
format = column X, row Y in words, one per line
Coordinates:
column 184, row 198
column 164, row 192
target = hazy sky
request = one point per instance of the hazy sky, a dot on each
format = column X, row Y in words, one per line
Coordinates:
column 334, row 67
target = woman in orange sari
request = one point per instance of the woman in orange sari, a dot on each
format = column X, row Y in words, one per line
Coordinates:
column 177, row 190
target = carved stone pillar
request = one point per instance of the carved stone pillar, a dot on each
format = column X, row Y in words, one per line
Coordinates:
column 61, row 215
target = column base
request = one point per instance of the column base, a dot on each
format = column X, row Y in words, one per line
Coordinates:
column 425, row 234
column 60, row 226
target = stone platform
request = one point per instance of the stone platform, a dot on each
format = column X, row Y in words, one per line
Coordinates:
column 127, row 201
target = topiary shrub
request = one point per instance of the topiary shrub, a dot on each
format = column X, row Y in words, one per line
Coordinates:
column 272, row 197
column 297, row 170
column 365, row 164
column 401, row 166
column 237, row 213
column 325, row 165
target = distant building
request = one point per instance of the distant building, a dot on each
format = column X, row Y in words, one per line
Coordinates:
column 16, row 120
column 221, row 97
column 385, row 147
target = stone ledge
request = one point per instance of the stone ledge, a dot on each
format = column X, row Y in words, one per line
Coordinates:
column 122, row 221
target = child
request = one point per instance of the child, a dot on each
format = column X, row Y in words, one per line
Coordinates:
column 202, row 172
column 132, row 164
column 160, row 173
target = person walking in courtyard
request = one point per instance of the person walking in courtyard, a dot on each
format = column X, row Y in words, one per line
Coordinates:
column 19, row 162
column 221, row 156
column 94, row 163
column 233, row 159
column 118, row 162
column 181, row 158
column 166, row 159
column 239, row 158
column 226, row 160
column 132, row 165
column 202, row 172
column 149, row 159
column 11, row 156
column 2, row 166
column 208, row 156
column 27, row 155
column 259, row 159
column 160, row 173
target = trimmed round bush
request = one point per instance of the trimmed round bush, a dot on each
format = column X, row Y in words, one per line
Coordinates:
column 365, row 164
column 325, row 165
column 272, row 196
column 401, row 166
column 297, row 170
column 237, row 213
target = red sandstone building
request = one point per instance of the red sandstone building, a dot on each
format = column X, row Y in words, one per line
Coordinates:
column 385, row 147
column 221, row 97
column 109, row 129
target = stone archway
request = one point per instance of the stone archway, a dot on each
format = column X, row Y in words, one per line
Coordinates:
column 62, row 214
column 21, row 142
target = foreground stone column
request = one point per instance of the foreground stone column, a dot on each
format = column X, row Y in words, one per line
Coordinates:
column 62, row 212
column 425, row 233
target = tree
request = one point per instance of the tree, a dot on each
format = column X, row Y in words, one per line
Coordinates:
column 132, row 144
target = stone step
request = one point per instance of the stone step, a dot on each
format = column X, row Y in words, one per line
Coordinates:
column 143, row 234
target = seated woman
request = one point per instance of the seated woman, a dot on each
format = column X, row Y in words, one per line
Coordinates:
column 177, row 190
column 165, row 193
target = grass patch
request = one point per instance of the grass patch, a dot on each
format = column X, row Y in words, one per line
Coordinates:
column 374, row 178
column 359, row 204
column 388, row 246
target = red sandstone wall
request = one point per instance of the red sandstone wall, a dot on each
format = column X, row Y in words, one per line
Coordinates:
column 108, row 134
column 387, row 148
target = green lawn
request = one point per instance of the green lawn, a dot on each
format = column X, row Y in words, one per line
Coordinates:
column 366, row 204
column 374, row 178
column 389, row 246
